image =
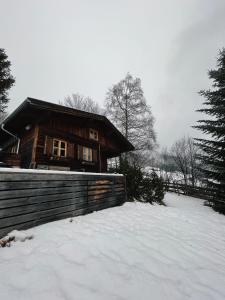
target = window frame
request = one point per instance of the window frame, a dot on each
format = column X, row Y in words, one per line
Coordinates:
column 92, row 133
column 87, row 154
column 59, row 148
column 13, row 149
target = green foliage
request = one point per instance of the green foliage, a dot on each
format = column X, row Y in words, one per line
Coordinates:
column 213, row 156
column 141, row 187
column 153, row 189
column 6, row 80
column 134, row 179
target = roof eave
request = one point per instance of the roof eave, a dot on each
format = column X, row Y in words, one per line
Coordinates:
column 40, row 104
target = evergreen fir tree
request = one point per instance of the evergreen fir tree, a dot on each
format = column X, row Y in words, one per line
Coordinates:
column 6, row 81
column 213, row 156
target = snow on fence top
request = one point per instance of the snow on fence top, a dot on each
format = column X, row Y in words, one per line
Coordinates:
column 36, row 171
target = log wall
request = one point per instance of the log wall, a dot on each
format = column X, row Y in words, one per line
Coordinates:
column 30, row 197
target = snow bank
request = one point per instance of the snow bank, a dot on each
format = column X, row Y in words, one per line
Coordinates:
column 15, row 236
column 137, row 251
column 21, row 236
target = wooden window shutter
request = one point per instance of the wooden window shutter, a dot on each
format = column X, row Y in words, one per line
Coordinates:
column 79, row 152
column 48, row 145
column 70, row 150
column 95, row 155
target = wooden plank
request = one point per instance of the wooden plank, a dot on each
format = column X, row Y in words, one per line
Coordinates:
column 99, row 201
column 18, row 219
column 20, row 210
column 51, row 214
column 23, row 226
column 38, row 192
column 62, row 214
column 103, row 205
column 107, row 201
column 119, row 185
column 39, row 199
column 56, row 217
column 119, row 189
column 18, row 185
column 119, row 179
column 99, row 196
column 61, row 203
column 54, row 211
column 100, row 182
column 99, row 187
column 35, row 216
column 99, row 192
column 74, row 207
column 96, row 192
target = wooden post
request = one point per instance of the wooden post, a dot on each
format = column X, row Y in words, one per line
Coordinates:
column 125, row 187
column 33, row 158
column 99, row 157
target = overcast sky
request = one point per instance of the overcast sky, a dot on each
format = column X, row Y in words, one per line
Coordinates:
column 60, row 47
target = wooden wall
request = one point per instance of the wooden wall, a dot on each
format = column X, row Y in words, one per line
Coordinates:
column 44, row 152
column 32, row 198
column 26, row 147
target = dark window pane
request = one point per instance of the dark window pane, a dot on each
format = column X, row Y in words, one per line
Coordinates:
column 63, row 152
column 56, row 143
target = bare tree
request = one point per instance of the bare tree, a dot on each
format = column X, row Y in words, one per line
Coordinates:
column 194, row 162
column 128, row 110
column 180, row 156
column 164, row 161
column 81, row 102
column 185, row 155
column 3, row 115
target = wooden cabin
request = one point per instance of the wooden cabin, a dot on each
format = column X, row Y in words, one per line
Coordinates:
column 43, row 135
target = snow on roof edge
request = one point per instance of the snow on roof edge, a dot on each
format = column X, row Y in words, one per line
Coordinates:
column 19, row 170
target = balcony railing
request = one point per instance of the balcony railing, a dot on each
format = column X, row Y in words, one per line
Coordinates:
column 11, row 159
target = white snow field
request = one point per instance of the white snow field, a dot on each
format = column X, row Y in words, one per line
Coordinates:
column 136, row 252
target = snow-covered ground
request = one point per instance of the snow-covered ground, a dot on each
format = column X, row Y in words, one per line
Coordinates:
column 136, row 251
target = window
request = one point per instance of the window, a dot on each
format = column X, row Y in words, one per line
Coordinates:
column 87, row 154
column 59, row 148
column 93, row 134
column 13, row 149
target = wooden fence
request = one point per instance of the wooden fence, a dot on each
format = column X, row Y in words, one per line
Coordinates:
column 205, row 193
column 29, row 198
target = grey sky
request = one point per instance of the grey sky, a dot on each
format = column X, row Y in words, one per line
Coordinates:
column 60, row 47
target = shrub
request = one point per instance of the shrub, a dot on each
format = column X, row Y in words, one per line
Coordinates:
column 134, row 179
column 141, row 187
column 153, row 189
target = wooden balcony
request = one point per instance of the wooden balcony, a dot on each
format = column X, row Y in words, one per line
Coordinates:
column 11, row 159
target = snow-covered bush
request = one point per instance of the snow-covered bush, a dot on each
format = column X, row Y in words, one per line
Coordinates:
column 141, row 186
column 15, row 236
